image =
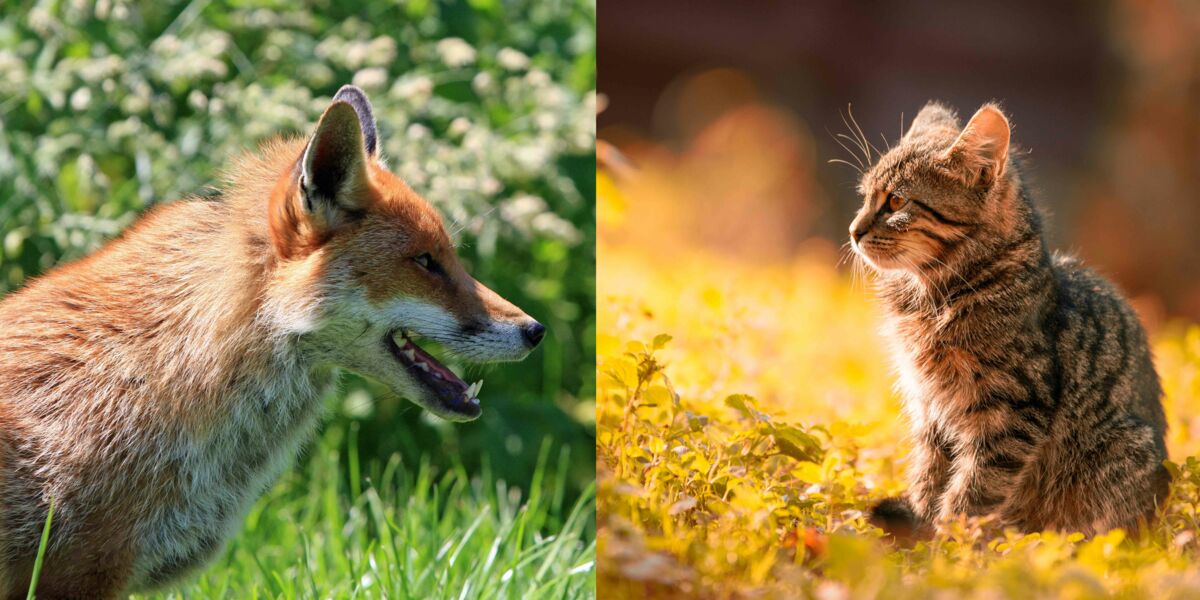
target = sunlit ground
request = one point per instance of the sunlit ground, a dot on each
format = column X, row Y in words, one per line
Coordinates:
column 764, row 492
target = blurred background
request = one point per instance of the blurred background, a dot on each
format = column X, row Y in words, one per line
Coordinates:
column 109, row 107
column 721, row 228
column 745, row 102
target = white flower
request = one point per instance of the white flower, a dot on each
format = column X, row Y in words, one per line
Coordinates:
column 522, row 208
column 356, row 54
column 166, row 44
column 81, row 98
column 552, row 225
column 546, row 121
column 476, row 140
column 551, row 96
column 415, row 89
column 370, row 79
column 381, row 52
column 455, row 52
column 135, row 103
column 197, row 100
column 513, row 60
column 459, row 126
column 531, row 158
column 417, row 131
column 482, row 82
column 537, row 78
column 490, row 185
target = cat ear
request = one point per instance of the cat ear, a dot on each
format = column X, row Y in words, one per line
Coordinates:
column 934, row 116
column 983, row 144
column 333, row 169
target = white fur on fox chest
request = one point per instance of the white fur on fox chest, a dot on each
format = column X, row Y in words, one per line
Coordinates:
column 221, row 475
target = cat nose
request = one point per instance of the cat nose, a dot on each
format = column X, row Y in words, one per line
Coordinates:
column 533, row 333
column 856, row 233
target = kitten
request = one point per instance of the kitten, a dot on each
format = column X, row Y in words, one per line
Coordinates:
column 1026, row 377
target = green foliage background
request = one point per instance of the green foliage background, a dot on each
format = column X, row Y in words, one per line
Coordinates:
column 486, row 108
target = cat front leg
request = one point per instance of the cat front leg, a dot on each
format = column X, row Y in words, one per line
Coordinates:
column 909, row 517
column 992, row 450
column 929, row 473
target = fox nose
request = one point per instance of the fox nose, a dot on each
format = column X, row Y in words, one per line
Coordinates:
column 534, row 332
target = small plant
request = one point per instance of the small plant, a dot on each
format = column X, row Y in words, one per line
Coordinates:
column 737, row 454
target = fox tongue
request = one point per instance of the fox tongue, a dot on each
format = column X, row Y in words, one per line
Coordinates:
column 427, row 367
column 447, row 394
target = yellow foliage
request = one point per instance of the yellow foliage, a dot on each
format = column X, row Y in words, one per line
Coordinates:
column 747, row 419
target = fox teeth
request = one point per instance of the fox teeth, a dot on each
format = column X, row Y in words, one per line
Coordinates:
column 422, row 366
column 474, row 389
column 410, row 354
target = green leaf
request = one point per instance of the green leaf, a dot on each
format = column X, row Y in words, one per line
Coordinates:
column 797, row 444
column 743, row 403
column 1173, row 469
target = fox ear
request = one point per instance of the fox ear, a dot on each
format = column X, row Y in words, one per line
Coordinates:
column 357, row 99
column 333, row 169
column 934, row 117
column 333, row 184
column 982, row 147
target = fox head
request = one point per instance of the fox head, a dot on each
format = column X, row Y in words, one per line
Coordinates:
column 368, row 269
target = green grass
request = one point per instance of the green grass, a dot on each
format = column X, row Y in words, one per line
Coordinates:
column 41, row 553
column 110, row 108
column 396, row 532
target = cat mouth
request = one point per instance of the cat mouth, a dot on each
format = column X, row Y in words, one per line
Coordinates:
column 443, row 393
column 878, row 254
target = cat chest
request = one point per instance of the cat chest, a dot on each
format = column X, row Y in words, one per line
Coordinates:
column 943, row 376
column 969, row 397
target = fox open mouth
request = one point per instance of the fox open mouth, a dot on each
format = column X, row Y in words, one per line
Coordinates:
column 448, row 395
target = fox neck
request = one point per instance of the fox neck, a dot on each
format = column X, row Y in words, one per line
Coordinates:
column 230, row 323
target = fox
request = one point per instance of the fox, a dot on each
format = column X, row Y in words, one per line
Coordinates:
column 154, row 389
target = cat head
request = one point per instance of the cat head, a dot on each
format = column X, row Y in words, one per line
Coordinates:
column 943, row 193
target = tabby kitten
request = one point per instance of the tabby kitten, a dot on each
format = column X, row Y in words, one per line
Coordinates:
column 1026, row 377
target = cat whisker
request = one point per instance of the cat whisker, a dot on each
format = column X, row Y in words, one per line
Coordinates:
column 858, row 275
column 863, row 136
column 853, row 155
column 856, row 138
column 866, row 153
column 837, row 137
column 846, row 251
column 848, row 164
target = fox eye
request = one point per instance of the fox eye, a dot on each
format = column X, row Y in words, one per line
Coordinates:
column 426, row 262
column 895, row 202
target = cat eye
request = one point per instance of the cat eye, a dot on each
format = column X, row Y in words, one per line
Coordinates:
column 895, row 203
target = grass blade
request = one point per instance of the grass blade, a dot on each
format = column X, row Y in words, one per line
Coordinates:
column 41, row 553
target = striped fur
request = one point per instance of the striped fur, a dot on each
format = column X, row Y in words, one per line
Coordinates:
column 1027, row 378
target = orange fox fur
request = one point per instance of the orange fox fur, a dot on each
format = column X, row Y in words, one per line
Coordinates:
column 154, row 389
